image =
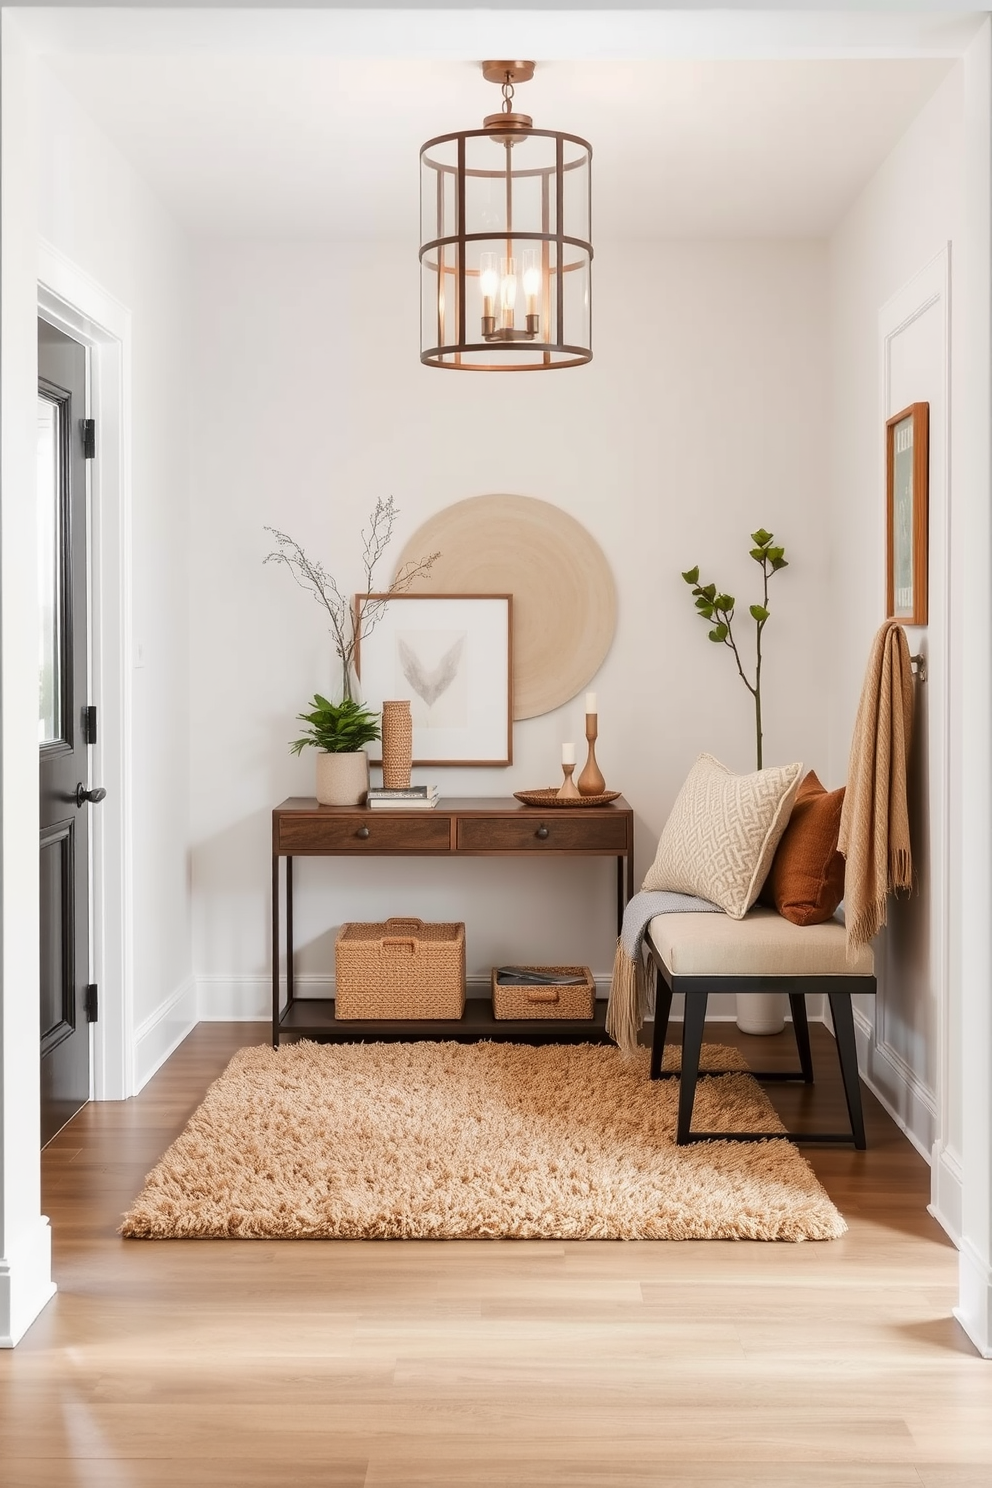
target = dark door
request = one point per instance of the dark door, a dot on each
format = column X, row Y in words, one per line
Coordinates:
column 63, row 728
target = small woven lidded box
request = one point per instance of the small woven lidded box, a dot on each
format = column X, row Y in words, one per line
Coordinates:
column 574, row 1000
column 400, row 968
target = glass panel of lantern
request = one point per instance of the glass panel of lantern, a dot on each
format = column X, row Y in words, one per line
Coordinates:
column 575, row 190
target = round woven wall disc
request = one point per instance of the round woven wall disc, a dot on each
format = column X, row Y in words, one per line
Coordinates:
column 564, row 597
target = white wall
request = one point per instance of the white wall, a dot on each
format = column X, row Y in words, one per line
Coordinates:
column 25, row 1241
column 697, row 421
column 907, row 232
column 968, row 1064
column 99, row 214
column 63, row 183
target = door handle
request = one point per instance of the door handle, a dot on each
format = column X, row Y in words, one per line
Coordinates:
column 83, row 795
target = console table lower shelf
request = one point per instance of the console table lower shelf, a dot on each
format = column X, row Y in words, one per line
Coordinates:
column 314, row 1018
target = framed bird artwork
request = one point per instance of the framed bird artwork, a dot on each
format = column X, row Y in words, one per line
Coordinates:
column 450, row 654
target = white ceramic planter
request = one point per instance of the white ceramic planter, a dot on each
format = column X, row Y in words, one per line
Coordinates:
column 342, row 779
column 761, row 1012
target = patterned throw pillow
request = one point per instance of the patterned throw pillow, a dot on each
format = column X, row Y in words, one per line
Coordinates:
column 722, row 834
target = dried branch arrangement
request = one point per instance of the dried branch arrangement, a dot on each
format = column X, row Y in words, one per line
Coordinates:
column 351, row 624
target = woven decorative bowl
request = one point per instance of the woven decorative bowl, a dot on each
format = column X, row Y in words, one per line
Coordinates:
column 550, row 797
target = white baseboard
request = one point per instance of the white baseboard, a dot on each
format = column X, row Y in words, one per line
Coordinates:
column 947, row 1191
column 26, row 1284
column 245, row 999
column 974, row 1311
column 248, row 999
column 721, row 1007
column 897, row 1088
column 161, row 1033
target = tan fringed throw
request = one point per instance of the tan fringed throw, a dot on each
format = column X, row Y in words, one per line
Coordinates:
column 627, row 1006
column 874, row 824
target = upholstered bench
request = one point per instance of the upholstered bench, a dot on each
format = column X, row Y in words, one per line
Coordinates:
column 697, row 954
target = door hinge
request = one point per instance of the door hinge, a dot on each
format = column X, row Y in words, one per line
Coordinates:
column 91, row 1001
column 89, row 438
column 89, row 723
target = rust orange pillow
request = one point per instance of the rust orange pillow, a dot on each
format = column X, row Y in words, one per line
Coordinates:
column 806, row 880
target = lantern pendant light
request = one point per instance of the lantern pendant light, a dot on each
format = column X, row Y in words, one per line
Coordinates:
column 506, row 250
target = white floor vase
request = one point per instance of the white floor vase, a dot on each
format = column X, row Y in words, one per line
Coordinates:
column 761, row 1012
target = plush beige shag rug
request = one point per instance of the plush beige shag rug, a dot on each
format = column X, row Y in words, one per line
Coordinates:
column 446, row 1141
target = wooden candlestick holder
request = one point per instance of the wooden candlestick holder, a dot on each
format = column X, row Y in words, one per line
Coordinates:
column 567, row 791
column 591, row 782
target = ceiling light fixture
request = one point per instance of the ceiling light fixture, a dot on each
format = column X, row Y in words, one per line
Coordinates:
column 506, row 251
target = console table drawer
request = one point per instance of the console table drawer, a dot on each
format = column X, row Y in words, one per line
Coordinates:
column 551, row 833
column 366, row 831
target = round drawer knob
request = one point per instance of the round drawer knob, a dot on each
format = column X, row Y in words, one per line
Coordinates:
column 363, row 832
column 542, row 832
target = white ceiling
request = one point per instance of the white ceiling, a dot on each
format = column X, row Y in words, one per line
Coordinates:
column 290, row 145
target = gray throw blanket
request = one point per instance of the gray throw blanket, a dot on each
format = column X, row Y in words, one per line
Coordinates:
column 629, row 990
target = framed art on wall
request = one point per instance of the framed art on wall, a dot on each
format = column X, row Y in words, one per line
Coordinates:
column 907, row 470
column 450, row 655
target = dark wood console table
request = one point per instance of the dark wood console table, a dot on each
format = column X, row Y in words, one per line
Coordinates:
column 473, row 826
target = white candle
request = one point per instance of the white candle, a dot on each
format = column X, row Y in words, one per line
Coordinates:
column 590, row 702
column 568, row 754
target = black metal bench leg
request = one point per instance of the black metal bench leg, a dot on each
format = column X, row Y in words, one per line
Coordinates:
column 800, row 1026
column 847, row 1052
column 692, row 1043
column 662, row 1013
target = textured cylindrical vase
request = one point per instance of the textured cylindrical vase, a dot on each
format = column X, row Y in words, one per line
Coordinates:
column 397, row 744
column 342, row 779
column 761, row 1012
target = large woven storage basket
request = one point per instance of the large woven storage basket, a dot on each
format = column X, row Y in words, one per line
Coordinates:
column 400, row 969
column 576, row 1001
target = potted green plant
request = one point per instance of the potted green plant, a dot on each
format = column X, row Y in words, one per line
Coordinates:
column 340, row 733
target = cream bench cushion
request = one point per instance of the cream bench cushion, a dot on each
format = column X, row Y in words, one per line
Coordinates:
column 762, row 944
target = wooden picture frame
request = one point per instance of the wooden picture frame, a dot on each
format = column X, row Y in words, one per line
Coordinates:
column 907, row 497
column 451, row 655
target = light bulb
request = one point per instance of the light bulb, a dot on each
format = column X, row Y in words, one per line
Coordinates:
column 508, row 290
column 488, row 282
column 532, row 279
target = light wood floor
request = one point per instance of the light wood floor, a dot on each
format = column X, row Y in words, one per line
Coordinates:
column 491, row 1364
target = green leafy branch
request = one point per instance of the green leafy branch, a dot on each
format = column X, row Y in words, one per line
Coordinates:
column 718, row 609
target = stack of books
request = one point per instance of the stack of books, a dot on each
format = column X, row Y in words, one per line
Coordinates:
column 414, row 797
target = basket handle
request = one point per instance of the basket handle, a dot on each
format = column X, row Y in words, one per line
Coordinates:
column 400, row 940
column 404, row 920
column 542, row 994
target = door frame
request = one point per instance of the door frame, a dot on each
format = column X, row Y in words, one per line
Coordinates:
column 70, row 300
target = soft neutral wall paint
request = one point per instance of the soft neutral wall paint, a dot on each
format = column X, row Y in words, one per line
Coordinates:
column 701, row 417
column 910, row 212
column 25, row 1239
column 969, row 1073
column 98, row 213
